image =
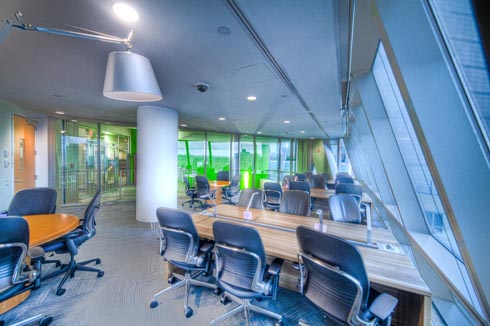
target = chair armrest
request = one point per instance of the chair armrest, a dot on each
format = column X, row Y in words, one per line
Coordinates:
column 383, row 306
column 206, row 247
column 35, row 253
column 4, row 212
column 275, row 267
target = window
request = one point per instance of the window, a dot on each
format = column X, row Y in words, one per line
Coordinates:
column 457, row 23
column 411, row 152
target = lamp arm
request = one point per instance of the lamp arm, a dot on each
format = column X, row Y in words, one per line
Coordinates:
column 63, row 32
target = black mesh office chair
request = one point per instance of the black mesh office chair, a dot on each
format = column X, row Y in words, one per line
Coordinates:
column 15, row 276
column 183, row 249
column 203, row 191
column 350, row 188
column 273, row 195
column 344, row 208
column 230, row 192
column 223, row 176
column 192, row 193
column 287, row 180
column 257, row 201
column 301, row 177
column 33, row 201
column 295, row 202
column 299, row 185
column 70, row 243
column 333, row 277
column 242, row 271
column 343, row 177
column 316, row 181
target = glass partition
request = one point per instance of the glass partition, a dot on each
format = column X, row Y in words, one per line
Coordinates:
column 191, row 154
column 247, row 164
column 218, row 154
column 267, row 160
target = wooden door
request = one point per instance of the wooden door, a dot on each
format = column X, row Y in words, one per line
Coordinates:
column 24, row 154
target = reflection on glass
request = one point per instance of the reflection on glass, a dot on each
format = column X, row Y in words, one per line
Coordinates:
column 21, row 154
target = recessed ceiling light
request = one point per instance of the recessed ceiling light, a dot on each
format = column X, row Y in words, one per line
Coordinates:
column 73, row 120
column 251, row 98
column 125, row 12
column 60, row 112
column 62, row 131
column 302, row 131
column 259, row 132
column 287, row 121
column 312, row 137
column 221, row 118
column 183, row 125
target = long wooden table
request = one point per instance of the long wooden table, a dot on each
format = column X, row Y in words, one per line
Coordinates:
column 42, row 229
column 389, row 272
column 327, row 193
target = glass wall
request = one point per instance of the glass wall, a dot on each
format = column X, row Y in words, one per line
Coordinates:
column 218, row 158
column 77, row 161
column 267, row 160
column 247, row 160
column 191, row 153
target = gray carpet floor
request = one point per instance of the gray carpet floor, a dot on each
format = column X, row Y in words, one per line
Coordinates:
column 133, row 273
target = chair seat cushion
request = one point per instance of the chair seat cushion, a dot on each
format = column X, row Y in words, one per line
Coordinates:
column 240, row 292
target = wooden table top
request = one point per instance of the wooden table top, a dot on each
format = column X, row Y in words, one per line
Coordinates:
column 384, row 268
column 47, row 227
column 327, row 193
column 355, row 232
column 218, row 183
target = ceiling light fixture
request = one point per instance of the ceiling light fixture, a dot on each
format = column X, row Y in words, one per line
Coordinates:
column 302, row 131
column 259, row 132
column 129, row 76
column 287, row 121
column 125, row 12
column 251, row 98
column 60, row 112
column 183, row 125
column 221, row 119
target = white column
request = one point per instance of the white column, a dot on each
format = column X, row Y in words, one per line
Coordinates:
column 156, row 159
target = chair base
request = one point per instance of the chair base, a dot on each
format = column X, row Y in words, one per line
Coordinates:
column 191, row 202
column 42, row 319
column 186, row 281
column 70, row 270
column 246, row 307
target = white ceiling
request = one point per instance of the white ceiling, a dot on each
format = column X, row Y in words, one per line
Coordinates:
column 45, row 73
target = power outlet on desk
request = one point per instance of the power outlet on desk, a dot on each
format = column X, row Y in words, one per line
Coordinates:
column 389, row 247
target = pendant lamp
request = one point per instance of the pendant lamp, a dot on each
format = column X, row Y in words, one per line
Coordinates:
column 130, row 77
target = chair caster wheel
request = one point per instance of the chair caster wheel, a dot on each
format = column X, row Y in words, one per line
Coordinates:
column 45, row 321
column 98, row 261
column 278, row 323
column 217, row 291
column 153, row 304
column 224, row 300
column 188, row 312
column 100, row 274
column 60, row 292
column 171, row 280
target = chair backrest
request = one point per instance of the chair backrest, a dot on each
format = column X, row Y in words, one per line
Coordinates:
column 343, row 178
column 273, row 192
column 187, row 185
column 327, row 259
column 223, row 176
column 295, row 202
column 202, row 185
column 299, row 185
column 301, row 177
column 89, row 216
column 234, row 186
column 33, row 201
column 240, row 254
column 316, row 181
column 257, row 201
column 287, row 180
column 349, row 188
column 14, row 243
column 180, row 234
column 344, row 208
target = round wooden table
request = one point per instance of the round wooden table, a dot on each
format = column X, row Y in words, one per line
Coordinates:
column 42, row 229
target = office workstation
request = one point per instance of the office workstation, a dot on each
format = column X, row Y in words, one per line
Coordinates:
column 303, row 125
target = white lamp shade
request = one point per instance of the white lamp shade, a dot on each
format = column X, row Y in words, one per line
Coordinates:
column 130, row 77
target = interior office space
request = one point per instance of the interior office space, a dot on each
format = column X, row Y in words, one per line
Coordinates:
column 396, row 93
